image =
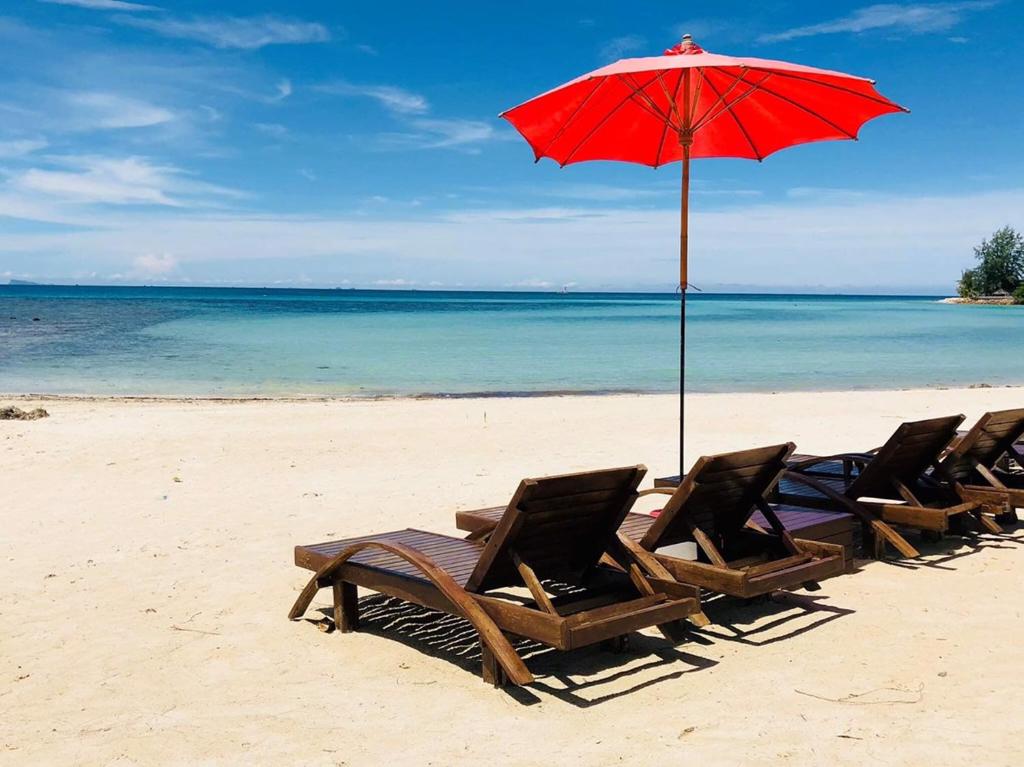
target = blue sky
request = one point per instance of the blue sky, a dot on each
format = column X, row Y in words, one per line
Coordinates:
column 358, row 144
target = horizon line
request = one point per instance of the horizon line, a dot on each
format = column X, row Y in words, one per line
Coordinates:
column 749, row 290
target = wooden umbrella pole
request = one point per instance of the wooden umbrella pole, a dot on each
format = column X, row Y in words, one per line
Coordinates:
column 683, row 248
column 686, row 140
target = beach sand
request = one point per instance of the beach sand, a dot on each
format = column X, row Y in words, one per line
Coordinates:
column 147, row 571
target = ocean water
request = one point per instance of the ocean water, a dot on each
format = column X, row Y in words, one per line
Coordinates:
column 272, row 342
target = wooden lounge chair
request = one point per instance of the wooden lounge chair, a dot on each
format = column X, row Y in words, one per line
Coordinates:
column 551, row 538
column 888, row 486
column 972, row 465
column 712, row 507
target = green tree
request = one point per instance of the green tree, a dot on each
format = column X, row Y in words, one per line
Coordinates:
column 1000, row 264
column 968, row 285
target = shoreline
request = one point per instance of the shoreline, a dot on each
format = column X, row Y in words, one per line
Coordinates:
column 498, row 395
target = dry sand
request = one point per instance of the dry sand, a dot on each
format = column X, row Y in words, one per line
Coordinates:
column 146, row 550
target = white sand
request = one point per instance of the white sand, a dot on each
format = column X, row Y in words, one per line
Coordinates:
column 142, row 618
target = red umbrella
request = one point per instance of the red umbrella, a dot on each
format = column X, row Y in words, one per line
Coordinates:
column 689, row 103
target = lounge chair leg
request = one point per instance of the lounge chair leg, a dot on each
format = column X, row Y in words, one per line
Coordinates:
column 346, row 606
column 493, row 673
column 699, row 619
column 617, row 645
column 987, row 524
column 1008, row 517
column 874, row 544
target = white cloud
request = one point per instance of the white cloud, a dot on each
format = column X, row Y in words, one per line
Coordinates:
column 618, row 47
column 154, row 265
column 394, row 99
column 284, row 89
column 395, row 283
column 118, row 182
column 531, row 283
column 212, row 115
column 92, row 110
column 913, row 18
column 246, row 33
column 92, row 180
column 369, row 50
column 104, row 5
column 20, row 147
column 274, row 130
column 437, row 133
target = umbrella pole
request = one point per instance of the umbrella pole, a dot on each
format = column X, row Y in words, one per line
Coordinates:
column 684, row 225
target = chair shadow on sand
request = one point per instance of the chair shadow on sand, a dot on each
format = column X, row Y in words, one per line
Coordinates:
column 940, row 554
column 766, row 620
column 593, row 675
column 583, row 678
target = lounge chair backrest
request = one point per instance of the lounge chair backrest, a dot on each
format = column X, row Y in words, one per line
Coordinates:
column 718, row 495
column 986, row 442
column 912, row 448
column 559, row 526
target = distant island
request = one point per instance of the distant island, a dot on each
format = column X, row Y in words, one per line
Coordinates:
column 22, row 282
column 999, row 276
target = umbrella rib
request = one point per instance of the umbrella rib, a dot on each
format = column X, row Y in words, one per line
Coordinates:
column 668, row 123
column 600, row 123
column 696, row 96
column 877, row 99
column 723, row 105
column 736, row 80
column 739, row 125
column 572, row 117
column 809, row 111
column 650, row 105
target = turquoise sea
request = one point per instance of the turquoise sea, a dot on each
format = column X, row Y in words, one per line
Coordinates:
column 273, row 342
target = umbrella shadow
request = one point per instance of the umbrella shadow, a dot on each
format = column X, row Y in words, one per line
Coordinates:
column 583, row 678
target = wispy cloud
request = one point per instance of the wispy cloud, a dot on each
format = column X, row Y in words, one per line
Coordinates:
column 392, row 98
column 92, row 110
column 618, row 47
column 104, row 5
column 246, row 33
column 913, row 18
column 92, row 180
column 437, row 133
column 274, row 130
column 284, row 89
column 21, row 147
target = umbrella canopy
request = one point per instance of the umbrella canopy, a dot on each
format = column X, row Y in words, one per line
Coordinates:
column 689, row 103
column 647, row 110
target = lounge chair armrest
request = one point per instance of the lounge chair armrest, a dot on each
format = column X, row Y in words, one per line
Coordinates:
column 466, row 605
column 657, row 490
column 482, row 534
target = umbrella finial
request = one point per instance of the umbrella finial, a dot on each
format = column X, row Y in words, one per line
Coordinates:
column 686, row 47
